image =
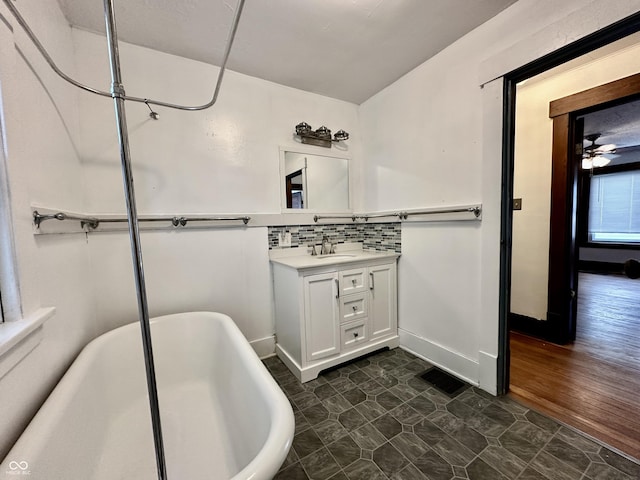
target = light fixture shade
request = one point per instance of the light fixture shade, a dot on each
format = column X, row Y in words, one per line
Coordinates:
column 323, row 132
column 595, row 161
column 303, row 128
column 341, row 135
column 600, row 161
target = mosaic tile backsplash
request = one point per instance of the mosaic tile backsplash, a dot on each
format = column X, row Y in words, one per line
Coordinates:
column 378, row 236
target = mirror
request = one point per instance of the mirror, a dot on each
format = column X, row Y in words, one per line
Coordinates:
column 314, row 182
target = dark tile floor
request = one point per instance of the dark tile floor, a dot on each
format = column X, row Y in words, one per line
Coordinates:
column 377, row 419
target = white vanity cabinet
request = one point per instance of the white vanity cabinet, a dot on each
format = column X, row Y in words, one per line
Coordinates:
column 329, row 313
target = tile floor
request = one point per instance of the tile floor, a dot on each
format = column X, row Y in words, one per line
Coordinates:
column 377, row 419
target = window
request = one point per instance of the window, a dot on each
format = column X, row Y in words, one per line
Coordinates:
column 614, row 208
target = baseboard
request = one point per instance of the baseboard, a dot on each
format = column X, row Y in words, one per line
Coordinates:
column 591, row 266
column 529, row 325
column 453, row 362
column 264, row 347
column 311, row 371
column 488, row 372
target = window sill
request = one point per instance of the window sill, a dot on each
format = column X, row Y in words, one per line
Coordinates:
column 19, row 338
column 613, row 246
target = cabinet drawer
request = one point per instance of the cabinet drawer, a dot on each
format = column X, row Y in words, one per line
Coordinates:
column 352, row 281
column 353, row 307
column 353, row 334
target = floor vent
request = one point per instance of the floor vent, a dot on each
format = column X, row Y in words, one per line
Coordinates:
column 443, row 381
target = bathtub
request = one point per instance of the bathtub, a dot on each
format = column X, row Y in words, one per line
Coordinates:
column 223, row 416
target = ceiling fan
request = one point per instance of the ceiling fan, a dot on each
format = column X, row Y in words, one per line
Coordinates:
column 593, row 155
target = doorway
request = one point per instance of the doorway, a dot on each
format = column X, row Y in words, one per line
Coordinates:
column 606, row 113
column 569, row 385
column 582, row 366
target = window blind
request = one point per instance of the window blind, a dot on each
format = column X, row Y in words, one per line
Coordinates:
column 614, row 208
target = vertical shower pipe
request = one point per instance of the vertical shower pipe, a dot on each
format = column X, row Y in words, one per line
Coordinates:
column 117, row 93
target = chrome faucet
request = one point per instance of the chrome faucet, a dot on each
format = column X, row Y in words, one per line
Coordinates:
column 324, row 249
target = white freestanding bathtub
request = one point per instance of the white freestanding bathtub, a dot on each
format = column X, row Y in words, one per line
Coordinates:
column 223, row 416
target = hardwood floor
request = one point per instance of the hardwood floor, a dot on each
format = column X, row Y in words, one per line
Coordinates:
column 594, row 383
column 608, row 323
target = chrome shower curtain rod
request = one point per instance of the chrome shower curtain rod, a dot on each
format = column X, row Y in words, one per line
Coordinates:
column 32, row 36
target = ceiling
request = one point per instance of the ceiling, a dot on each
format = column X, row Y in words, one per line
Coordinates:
column 345, row 49
column 618, row 125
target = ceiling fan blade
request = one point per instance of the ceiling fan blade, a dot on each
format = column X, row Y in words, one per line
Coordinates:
column 592, row 155
column 600, row 161
column 608, row 148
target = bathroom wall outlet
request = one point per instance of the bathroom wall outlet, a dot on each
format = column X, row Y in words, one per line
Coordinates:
column 284, row 239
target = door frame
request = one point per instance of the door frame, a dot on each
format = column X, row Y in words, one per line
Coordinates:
column 593, row 41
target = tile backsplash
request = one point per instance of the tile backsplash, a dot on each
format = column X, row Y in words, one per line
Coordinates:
column 378, row 236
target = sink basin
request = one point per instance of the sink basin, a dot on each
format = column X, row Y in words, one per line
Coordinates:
column 334, row 256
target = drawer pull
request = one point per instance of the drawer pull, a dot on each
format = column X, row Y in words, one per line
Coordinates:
column 354, row 281
column 355, row 334
column 355, row 308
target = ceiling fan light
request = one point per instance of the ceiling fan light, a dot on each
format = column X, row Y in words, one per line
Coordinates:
column 600, row 161
column 587, row 164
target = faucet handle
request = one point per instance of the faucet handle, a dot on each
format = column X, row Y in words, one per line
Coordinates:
column 313, row 249
column 333, row 248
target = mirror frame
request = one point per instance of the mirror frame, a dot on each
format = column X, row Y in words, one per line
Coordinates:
column 319, row 152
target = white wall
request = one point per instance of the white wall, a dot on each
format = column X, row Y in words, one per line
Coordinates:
column 40, row 120
column 433, row 139
column 532, row 174
column 222, row 160
column 225, row 159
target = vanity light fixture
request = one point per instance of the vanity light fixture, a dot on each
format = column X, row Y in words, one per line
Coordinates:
column 320, row 137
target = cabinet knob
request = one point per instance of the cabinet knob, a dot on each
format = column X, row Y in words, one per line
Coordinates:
column 355, row 308
column 355, row 334
column 354, row 281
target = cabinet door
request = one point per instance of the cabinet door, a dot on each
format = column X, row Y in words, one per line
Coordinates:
column 321, row 311
column 383, row 309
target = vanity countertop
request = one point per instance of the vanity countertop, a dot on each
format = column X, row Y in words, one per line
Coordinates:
column 341, row 257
